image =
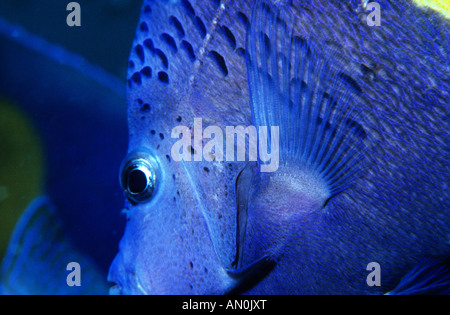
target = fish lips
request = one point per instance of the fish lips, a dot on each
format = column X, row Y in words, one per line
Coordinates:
column 125, row 280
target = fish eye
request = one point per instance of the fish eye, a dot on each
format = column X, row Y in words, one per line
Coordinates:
column 138, row 177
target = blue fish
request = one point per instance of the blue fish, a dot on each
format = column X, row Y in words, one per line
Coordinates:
column 362, row 113
column 362, row 118
column 79, row 114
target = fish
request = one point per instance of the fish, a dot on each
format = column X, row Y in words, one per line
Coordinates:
column 23, row 161
column 38, row 255
column 68, row 119
column 362, row 113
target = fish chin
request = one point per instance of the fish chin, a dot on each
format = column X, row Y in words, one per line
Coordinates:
column 128, row 282
column 125, row 282
column 150, row 261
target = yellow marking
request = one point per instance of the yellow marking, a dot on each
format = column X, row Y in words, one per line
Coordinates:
column 3, row 193
column 442, row 6
column 21, row 169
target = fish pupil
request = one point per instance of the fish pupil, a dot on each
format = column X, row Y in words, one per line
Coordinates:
column 137, row 182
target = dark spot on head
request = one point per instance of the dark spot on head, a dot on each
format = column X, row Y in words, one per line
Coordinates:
column 191, row 265
column 188, row 48
column 145, row 108
column 140, row 52
column 170, row 42
column 229, row 36
column 243, row 19
column 149, row 44
column 163, row 77
column 200, row 26
column 153, row 132
column 179, row 28
column 206, row 170
column 179, row 118
column 163, row 58
column 161, row 136
column 136, row 78
column 143, row 27
column 147, row 71
column 188, row 7
column 140, row 102
column 168, row 157
column 173, row 176
column 147, row 9
column 220, row 61
column 240, row 51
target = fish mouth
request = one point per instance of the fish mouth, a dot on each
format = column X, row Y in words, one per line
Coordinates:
column 115, row 290
column 124, row 279
column 130, row 284
column 114, row 277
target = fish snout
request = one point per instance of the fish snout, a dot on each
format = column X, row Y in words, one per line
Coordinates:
column 114, row 276
column 124, row 278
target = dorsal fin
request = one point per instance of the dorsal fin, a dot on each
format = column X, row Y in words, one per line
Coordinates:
column 294, row 86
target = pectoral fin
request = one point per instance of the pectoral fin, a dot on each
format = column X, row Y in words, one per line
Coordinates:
column 429, row 276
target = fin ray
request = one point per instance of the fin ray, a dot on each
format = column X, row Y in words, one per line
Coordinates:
column 429, row 276
column 294, row 86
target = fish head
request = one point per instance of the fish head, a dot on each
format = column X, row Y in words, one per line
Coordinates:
column 174, row 240
column 180, row 235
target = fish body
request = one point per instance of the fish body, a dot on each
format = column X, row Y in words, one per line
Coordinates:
column 363, row 174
